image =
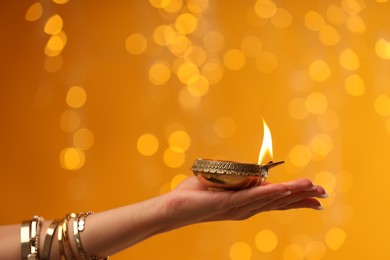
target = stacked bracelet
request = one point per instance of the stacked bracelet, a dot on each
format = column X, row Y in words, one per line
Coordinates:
column 30, row 238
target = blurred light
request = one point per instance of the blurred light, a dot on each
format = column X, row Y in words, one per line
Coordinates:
column 197, row 6
column 316, row 103
column 319, row 70
column 382, row 49
column 53, row 64
column 293, row 252
column 187, row 100
column 335, row 15
column 266, row 241
column 136, row 44
column 251, row 45
column 55, row 44
column 355, row 24
column 174, row 157
column 196, row 54
column 234, row 59
column 173, row 6
column 253, row 19
column 266, row 62
column 83, row 138
column 329, row 36
column 214, row 41
column 240, row 251
column 327, row 180
column 70, row 121
column 335, row 238
column 321, row 145
column 72, row 158
column 353, row 6
column 354, row 85
column 225, row 127
column 300, row 155
column 177, row 180
column 187, row 72
column 213, row 72
column 282, row 18
column 76, row 97
column 349, row 60
column 328, row 121
column 186, row 23
column 53, row 25
column 315, row 250
column 180, row 139
column 179, row 44
column 199, row 86
column 147, row 144
column 61, row 2
column 159, row 3
column 314, row 21
column 299, row 80
column 34, row 12
column 382, row 105
column 297, row 108
column 159, row 73
column 162, row 35
column 265, row 8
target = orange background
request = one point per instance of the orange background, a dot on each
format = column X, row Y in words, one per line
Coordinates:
column 100, row 107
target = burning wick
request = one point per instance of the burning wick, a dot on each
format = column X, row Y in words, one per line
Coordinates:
column 266, row 146
column 220, row 175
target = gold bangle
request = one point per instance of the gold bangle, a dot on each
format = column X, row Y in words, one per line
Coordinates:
column 48, row 239
column 25, row 239
column 35, row 230
column 65, row 234
column 78, row 226
column 60, row 244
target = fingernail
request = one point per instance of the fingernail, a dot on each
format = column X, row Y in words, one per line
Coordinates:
column 323, row 196
column 285, row 193
column 318, row 208
column 311, row 188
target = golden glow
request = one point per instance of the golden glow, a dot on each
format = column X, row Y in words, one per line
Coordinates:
column 382, row 49
column 266, row 146
column 34, row 12
column 136, row 44
column 199, row 86
column 316, row 103
column 197, row 6
column 349, row 60
column 297, row 109
column 53, row 25
column 147, row 144
column 314, row 21
column 315, row 250
column 319, row 70
column 76, row 97
column 382, row 105
column 72, row 158
column 265, row 8
column 174, row 157
column 188, row 72
column 266, row 241
column 214, row 41
column 282, row 18
column 70, row 121
column 180, row 139
column 240, row 251
column 234, row 59
column 354, row 85
column 335, row 238
column 177, row 180
column 300, row 155
column 294, row 252
column 186, row 23
column 329, row 36
column 321, row 145
column 83, row 139
column 61, row 2
column 159, row 73
column 213, row 72
column 335, row 15
column 53, row 64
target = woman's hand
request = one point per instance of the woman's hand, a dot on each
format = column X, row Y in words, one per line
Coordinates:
column 191, row 202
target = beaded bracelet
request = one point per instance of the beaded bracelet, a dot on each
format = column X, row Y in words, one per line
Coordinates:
column 29, row 235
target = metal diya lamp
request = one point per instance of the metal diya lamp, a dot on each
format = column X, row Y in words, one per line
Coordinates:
column 219, row 174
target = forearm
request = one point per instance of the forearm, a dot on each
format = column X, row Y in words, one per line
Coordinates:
column 105, row 233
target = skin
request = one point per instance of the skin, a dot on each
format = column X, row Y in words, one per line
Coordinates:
column 111, row 231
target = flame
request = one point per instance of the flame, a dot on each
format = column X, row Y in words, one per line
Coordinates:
column 266, row 146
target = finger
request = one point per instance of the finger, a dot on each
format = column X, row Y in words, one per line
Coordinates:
column 311, row 203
